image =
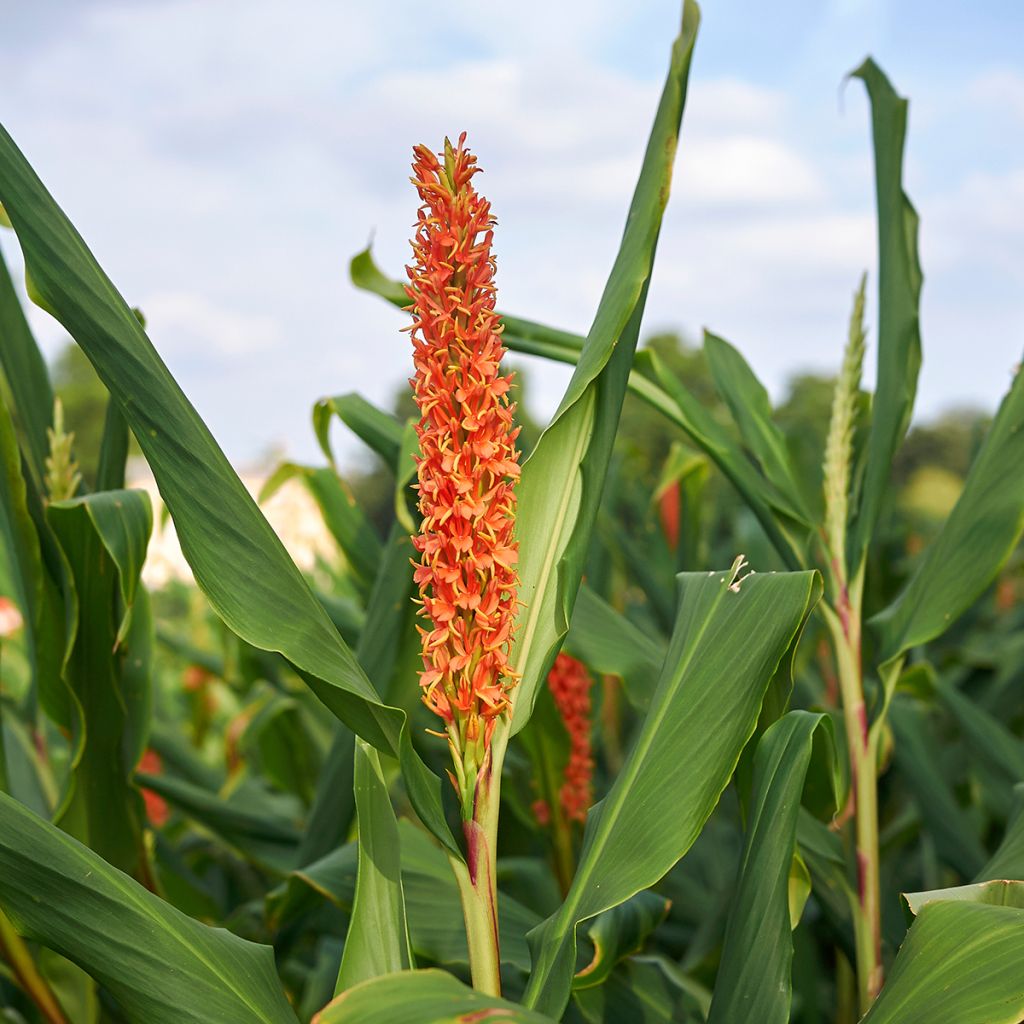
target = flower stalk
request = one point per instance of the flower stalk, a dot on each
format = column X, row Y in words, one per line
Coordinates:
column 844, row 616
column 466, row 472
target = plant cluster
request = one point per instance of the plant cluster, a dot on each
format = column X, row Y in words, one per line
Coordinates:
column 547, row 748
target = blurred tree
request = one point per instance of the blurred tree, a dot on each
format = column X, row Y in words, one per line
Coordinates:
column 949, row 442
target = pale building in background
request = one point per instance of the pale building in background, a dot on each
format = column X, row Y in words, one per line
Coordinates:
column 291, row 512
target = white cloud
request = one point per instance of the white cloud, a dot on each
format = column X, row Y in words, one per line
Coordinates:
column 189, row 323
column 1002, row 89
column 745, row 169
column 224, row 161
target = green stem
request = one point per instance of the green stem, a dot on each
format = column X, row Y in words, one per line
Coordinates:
column 477, row 875
column 844, row 623
column 15, row 952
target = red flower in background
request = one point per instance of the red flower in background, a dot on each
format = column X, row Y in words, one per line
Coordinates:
column 156, row 807
column 570, row 684
column 468, row 463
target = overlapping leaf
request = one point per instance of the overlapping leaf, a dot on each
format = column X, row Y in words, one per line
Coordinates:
column 161, row 966
column 422, row 997
column 960, row 964
column 977, row 538
column 378, row 935
column 728, row 642
column 754, row 975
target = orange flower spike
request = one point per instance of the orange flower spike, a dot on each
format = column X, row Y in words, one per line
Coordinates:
column 570, row 684
column 468, row 460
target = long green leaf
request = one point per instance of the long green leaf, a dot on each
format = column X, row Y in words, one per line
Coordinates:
column 387, row 616
column 619, row 932
column 960, row 964
column 24, row 382
column 669, row 395
column 728, row 642
column 899, row 293
column 754, row 974
column 978, row 537
column 378, row 429
column 918, row 763
column 751, row 410
column 437, row 930
column 608, row 643
column 561, row 483
column 1008, row 860
column 265, row 836
column 21, row 566
column 378, row 935
column 161, row 966
column 422, row 997
column 989, row 739
column 104, row 538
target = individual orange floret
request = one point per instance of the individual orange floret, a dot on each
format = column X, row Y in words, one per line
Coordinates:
column 468, row 462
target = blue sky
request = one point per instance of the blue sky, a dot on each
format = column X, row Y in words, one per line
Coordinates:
column 224, row 159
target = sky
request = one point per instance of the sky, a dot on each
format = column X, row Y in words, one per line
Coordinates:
column 224, row 159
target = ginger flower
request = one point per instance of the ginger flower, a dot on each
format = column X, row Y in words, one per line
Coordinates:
column 468, row 460
column 156, row 806
column 570, row 682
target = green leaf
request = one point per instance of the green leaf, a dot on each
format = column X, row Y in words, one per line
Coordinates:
column 388, row 613
column 378, row 936
column 996, row 893
column 918, row 761
column 104, row 538
column 378, row 429
column 980, row 534
column 751, row 410
column 435, row 912
column 238, row 561
column 960, row 964
column 265, row 836
column 561, row 483
column 754, row 974
column 664, row 393
column 110, row 473
column 988, row 739
column 899, row 293
column 728, row 641
column 161, row 966
column 643, row 990
column 21, row 565
column 24, row 382
column 1008, row 860
column 123, row 521
column 670, row 396
column 619, row 932
column 437, row 930
column 422, row 997
column 609, row 644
